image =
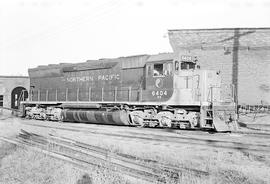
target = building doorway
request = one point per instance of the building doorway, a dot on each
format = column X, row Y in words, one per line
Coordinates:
column 18, row 94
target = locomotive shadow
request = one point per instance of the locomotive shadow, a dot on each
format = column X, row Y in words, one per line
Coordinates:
column 206, row 142
column 196, row 141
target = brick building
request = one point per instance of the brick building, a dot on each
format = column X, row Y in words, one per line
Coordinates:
column 241, row 54
column 11, row 88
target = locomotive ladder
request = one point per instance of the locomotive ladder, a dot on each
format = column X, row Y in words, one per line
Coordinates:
column 208, row 114
column 215, row 114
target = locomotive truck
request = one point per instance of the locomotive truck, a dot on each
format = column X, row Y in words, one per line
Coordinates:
column 162, row 90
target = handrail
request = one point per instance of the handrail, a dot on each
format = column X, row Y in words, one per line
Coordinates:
column 90, row 94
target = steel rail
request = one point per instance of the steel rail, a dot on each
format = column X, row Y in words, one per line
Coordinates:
column 125, row 166
column 131, row 159
column 75, row 159
column 178, row 140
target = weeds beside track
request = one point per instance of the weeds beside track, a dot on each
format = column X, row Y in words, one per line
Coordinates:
column 85, row 155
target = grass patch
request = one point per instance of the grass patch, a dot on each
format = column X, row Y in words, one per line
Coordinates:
column 26, row 166
column 224, row 166
column 5, row 150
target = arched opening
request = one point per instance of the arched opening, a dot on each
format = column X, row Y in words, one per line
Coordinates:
column 18, row 94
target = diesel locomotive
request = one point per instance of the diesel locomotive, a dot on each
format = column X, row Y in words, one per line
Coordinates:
column 163, row 90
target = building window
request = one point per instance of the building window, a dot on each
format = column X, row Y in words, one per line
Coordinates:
column 1, row 100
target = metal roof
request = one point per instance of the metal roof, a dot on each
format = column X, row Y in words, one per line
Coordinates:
column 133, row 61
column 161, row 57
column 93, row 65
column 136, row 61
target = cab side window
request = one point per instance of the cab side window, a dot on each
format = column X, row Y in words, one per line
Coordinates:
column 158, row 70
column 162, row 69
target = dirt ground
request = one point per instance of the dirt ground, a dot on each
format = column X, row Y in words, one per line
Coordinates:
column 240, row 157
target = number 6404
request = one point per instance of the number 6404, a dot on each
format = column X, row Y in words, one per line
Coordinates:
column 159, row 93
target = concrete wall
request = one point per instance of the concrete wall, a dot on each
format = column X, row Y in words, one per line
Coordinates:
column 242, row 56
column 8, row 83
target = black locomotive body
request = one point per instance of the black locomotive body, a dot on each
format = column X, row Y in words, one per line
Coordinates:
column 146, row 90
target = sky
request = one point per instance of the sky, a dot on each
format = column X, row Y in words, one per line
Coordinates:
column 42, row 32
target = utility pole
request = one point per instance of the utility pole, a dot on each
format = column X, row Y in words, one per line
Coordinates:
column 235, row 65
column 235, row 58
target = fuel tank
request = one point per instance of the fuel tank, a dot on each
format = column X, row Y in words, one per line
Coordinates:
column 96, row 116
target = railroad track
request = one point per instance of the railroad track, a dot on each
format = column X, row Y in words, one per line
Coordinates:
column 132, row 159
column 256, row 133
column 85, row 155
column 180, row 139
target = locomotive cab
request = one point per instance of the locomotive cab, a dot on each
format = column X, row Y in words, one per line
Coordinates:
column 159, row 80
column 192, row 85
column 201, row 91
column 187, row 63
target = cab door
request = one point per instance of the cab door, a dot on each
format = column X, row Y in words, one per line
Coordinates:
column 159, row 81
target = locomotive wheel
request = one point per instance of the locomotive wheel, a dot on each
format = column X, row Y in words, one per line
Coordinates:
column 137, row 118
column 165, row 122
column 165, row 118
